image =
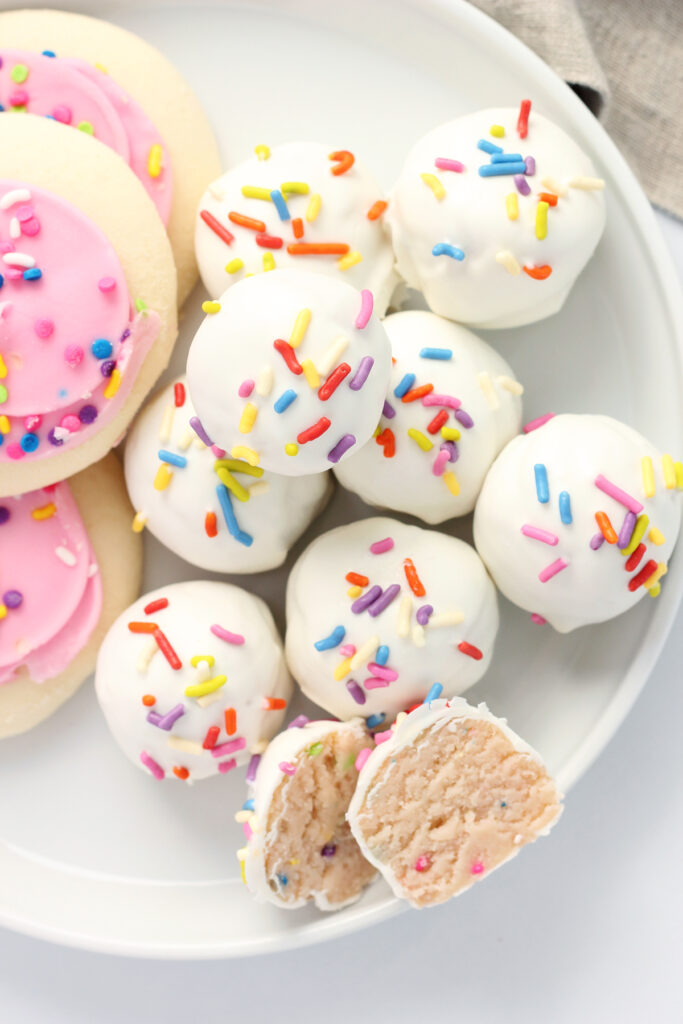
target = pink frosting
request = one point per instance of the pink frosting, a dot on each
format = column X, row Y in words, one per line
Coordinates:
column 50, row 584
column 62, row 333
column 75, row 93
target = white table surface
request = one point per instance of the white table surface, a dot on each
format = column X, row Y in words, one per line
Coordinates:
column 583, row 927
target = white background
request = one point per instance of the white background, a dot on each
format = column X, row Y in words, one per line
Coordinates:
column 583, row 927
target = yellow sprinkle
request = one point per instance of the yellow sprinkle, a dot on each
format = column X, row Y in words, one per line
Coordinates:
column 253, row 192
column 510, row 384
column 268, row 261
column 512, row 205
column 241, row 451
column 342, row 669
column 642, row 523
column 441, row 619
column 260, row 487
column 354, row 592
column 553, row 185
column 451, row 482
column 431, row 181
column 262, row 152
column 669, row 472
column 197, row 659
column 211, row 307
column 425, row 444
column 313, row 208
column 154, row 161
column 242, row 816
column 139, row 522
column 248, row 418
column 486, row 385
column 310, row 373
column 100, row 67
column 226, row 477
column 186, row 746
column 586, row 183
column 5, row 426
column 243, row 872
column 146, row 654
column 303, row 319
column 378, row 431
column 678, row 468
column 163, row 477
column 648, row 475
column 497, row 131
column 166, row 428
column 234, row 265
column 450, row 433
column 215, row 190
column 44, row 512
column 655, row 591
column 541, row 220
column 291, row 449
column 187, row 438
column 210, row 686
column 405, row 610
column 264, row 382
column 237, row 466
column 114, row 383
column 295, row 188
column 656, row 537
column 259, row 747
column 3, row 369
column 507, row 260
column 418, row 635
column 350, row 260
column 294, row 861
column 3, row 611
column 653, row 580
column 364, row 653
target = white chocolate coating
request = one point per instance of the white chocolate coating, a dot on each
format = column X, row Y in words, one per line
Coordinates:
column 575, row 450
column 277, row 510
column 237, row 345
column 130, row 666
column 472, row 216
column 412, row 480
column 456, row 585
column 345, row 200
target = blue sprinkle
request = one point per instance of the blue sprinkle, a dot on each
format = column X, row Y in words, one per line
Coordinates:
column 32, row 274
column 542, row 492
column 49, row 53
column 489, row 147
column 436, row 353
column 172, row 458
column 248, row 805
column 404, row 385
column 382, row 656
column 1, row 108
column 506, row 158
column 503, row 804
column 101, row 348
column 29, row 442
column 282, row 879
column 2, row 280
column 333, row 640
column 285, row 400
column 434, row 693
column 230, row 519
column 565, row 508
column 62, row 393
column 444, row 249
column 374, row 720
column 509, row 167
column 280, row 204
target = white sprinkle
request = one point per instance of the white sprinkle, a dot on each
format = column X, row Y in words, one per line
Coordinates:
column 510, row 384
column 17, row 195
column 264, row 383
column 404, row 612
column 242, row 853
column 203, row 671
column 66, row 556
column 208, row 698
column 553, row 185
column 586, row 183
column 216, row 192
column 187, row 746
column 14, row 228
column 364, row 653
column 418, row 635
column 187, row 439
column 166, row 428
column 61, row 433
column 507, row 260
column 93, row 570
column 330, row 358
column 242, row 816
column 22, row 647
column 199, row 443
column 259, row 747
column 4, row 308
column 19, row 259
column 260, row 487
column 453, row 618
column 486, row 385
column 518, row 839
column 146, row 655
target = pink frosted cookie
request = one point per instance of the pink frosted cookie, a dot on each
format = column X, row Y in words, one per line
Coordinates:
column 111, row 85
column 68, row 565
column 299, row 845
column 87, row 301
column 448, row 796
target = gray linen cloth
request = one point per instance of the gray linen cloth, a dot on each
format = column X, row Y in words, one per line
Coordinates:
column 624, row 58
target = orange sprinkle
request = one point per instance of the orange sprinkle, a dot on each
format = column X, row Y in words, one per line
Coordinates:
column 142, row 627
column 388, row 442
column 548, row 197
column 298, row 227
column 538, row 273
column 606, row 528
column 437, row 423
column 246, row 222
column 357, row 579
column 273, row 703
column 210, row 524
column 344, row 161
column 414, row 581
column 317, row 249
column 181, row 772
column 415, row 393
column 230, row 721
column 377, row 209
column 148, row 700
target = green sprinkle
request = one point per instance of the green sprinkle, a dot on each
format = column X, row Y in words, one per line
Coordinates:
column 18, row 110
column 140, row 305
column 85, row 126
column 19, row 73
column 349, row 763
column 315, row 749
column 4, row 394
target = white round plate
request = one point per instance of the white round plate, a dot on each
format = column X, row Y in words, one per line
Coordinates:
column 93, row 853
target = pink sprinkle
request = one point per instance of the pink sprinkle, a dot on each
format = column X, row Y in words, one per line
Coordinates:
column 62, row 113
column 18, row 98
column 43, row 327
column 30, row 227
column 348, row 650
column 552, row 570
column 24, row 212
column 538, row 620
column 73, row 354
column 477, row 868
column 14, row 273
column 287, row 768
column 366, row 303
column 245, row 388
column 380, row 546
column 616, row 492
column 382, row 737
column 445, row 400
column 246, row 827
column 422, row 863
column 15, row 451
column 70, row 423
column 440, row 462
column 374, row 683
column 231, row 747
column 444, row 164
column 382, row 671
column 362, row 758
column 149, row 762
column 218, row 452
column 225, row 634
column 227, row 766
column 32, row 422
column 538, row 534
column 106, row 284
column 535, row 424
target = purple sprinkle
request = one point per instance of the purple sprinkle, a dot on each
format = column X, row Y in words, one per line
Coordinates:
column 253, row 767
column 366, row 599
column 107, row 367
column 88, row 414
column 4, row 514
column 126, row 334
column 452, row 449
column 388, row 411
column 341, row 447
column 196, row 425
column 626, row 531
column 166, row 721
column 12, row 598
column 384, row 600
column 355, row 691
column 299, row 722
column 464, row 418
column 362, row 373
column 522, row 184
column 328, row 850
column 597, row 540
column 423, row 613
column 530, row 165
column 56, row 441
